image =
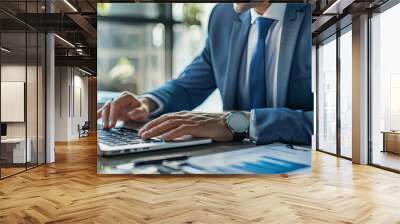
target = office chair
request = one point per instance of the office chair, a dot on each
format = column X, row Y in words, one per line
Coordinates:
column 84, row 130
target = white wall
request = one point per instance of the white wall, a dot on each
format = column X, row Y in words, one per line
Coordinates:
column 61, row 103
column 71, row 102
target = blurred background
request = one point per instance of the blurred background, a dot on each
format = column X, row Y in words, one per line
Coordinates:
column 141, row 46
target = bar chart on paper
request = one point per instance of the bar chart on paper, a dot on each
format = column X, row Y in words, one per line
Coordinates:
column 270, row 159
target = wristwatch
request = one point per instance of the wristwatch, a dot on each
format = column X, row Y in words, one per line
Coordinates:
column 238, row 123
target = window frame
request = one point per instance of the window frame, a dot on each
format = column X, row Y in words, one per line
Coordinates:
column 378, row 10
column 27, row 29
column 334, row 36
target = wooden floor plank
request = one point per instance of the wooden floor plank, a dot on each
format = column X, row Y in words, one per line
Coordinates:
column 70, row 191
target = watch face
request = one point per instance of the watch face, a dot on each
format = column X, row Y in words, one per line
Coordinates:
column 238, row 122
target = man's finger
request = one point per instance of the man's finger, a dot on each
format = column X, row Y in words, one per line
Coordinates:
column 186, row 129
column 105, row 112
column 120, row 105
column 99, row 112
column 115, row 112
column 164, row 127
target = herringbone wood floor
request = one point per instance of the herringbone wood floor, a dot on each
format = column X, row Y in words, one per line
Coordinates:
column 70, row 191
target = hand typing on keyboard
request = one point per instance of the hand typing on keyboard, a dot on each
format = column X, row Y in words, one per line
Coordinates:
column 127, row 107
column 176, row 125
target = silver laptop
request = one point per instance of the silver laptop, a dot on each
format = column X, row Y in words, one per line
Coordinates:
column 122, row 140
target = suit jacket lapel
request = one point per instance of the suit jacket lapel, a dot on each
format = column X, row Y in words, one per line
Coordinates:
column 290, row 30
column 237, row 47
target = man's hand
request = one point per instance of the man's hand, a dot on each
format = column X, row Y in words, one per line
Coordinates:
column 127, row 107
column 175, row 125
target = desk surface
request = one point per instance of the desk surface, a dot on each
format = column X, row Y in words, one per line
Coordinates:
column 391, row 132
column 13, row 140
column 125, row 164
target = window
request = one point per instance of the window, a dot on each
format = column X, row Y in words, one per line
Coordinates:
column 189, row 40
column 22, row 75
column 142, row 49
column 346, row 93
column 385, row 86
column 150, row 11
column 327, row 95
column 334, row 92
column 131, row 57
column 131, row 48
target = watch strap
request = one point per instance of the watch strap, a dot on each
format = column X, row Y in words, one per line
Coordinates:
column 237, row 137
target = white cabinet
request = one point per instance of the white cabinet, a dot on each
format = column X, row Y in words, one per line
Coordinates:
column 16, row 147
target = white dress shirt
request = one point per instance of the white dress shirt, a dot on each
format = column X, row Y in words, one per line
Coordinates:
column 276, row 11
column 272, row 43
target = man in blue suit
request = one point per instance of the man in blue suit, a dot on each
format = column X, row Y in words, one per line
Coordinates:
column 259, row 56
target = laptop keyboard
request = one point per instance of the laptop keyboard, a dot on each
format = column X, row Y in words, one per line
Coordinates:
column 121, row 137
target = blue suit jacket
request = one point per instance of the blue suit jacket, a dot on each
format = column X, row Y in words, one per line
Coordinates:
column 220, row 64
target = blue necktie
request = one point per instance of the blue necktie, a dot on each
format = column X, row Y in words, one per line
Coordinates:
column 257, row 65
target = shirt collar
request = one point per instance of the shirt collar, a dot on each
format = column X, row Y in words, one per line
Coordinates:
column 275, row 11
